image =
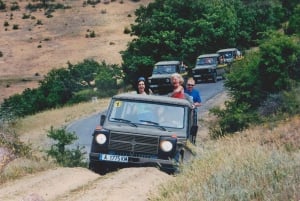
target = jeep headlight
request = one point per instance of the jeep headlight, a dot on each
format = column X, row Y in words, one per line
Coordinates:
column 101, row 138
column 166, row 146
column 167, row 80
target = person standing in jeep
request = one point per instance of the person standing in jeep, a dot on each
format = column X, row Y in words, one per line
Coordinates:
column 142, row 88
column 195, row 96
column 196, row 99
column 177, row 82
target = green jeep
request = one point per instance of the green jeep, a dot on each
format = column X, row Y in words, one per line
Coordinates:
column 159, row 81
column 209, row 67
column 139, row 130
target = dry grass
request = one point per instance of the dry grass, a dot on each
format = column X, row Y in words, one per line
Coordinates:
column 33, row 128
column 261, row 163
column 33, row 131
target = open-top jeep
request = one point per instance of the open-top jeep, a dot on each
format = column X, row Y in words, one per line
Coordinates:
column 160, row 81
column 141, row 130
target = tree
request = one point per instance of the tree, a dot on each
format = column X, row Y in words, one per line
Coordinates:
column 63, row 155
column 279, row 63
column 294, row 22
column 182, row 30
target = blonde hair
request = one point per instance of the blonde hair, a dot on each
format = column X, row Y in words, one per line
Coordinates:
column 178, row 76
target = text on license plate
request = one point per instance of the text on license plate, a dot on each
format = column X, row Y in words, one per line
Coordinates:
column 115, row 158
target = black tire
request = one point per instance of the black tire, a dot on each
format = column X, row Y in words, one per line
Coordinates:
column 214, row 77
column 98, row 168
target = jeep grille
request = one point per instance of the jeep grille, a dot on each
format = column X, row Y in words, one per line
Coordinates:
column 202, row 71
column 160, row 81
column 133, row 143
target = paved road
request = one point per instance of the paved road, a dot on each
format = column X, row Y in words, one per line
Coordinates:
column 84, row 128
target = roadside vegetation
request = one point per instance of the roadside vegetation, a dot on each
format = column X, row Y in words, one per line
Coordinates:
column 253, row 149
column 64, row 86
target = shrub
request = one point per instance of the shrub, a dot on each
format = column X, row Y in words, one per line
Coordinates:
column 6, row 24
column 63, row 156
column 11, row 140
column 39, row 22
column 236, row 117
column 2, row 5
column 126, row 30
column 83, row 96
column 93, row 2
column 92, row 34
column 15, row 26
column 14, row 6
column 26, row 16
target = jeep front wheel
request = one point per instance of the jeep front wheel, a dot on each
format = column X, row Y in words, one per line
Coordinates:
column 214, row 77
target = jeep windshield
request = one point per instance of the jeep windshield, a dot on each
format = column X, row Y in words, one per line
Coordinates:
column 227, row 55
column 164, row 69
column 150, row 114
column 206, row 61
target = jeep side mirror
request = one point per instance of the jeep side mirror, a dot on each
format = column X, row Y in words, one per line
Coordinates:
column 102, row 119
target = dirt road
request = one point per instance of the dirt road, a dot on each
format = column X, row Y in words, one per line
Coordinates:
column 134, row 184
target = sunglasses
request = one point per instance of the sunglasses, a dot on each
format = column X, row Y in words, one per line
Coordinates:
column 191, row 85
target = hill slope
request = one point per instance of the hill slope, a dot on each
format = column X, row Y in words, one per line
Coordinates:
column 41, row 44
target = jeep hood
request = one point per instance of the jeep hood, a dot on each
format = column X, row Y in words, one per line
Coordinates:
column 157, row 76
column 204, row 66
column 145, row 130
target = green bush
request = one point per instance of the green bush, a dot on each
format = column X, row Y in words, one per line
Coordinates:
column 26, row 16
column 83, row 96
column 14, row 6
column 2, row 5
column 236, row 117
column 6, row 24
column 294, row 22
column 261, row 87
column 62, row 155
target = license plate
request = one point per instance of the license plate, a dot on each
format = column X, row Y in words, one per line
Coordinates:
column 197, row 75
column 153, row 85
column 114, row 158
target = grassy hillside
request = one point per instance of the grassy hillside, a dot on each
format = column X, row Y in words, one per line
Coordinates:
column 261, row 163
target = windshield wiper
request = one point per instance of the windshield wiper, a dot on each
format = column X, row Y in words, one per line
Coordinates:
column 125, row 121
column 154, row 123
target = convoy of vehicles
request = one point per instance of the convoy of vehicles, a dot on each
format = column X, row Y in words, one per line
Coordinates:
column 208, row 67
column 140, row 130
column 159, row 81
column 214, row 66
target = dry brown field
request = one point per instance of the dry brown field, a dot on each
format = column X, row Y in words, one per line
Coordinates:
column 41, row 44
